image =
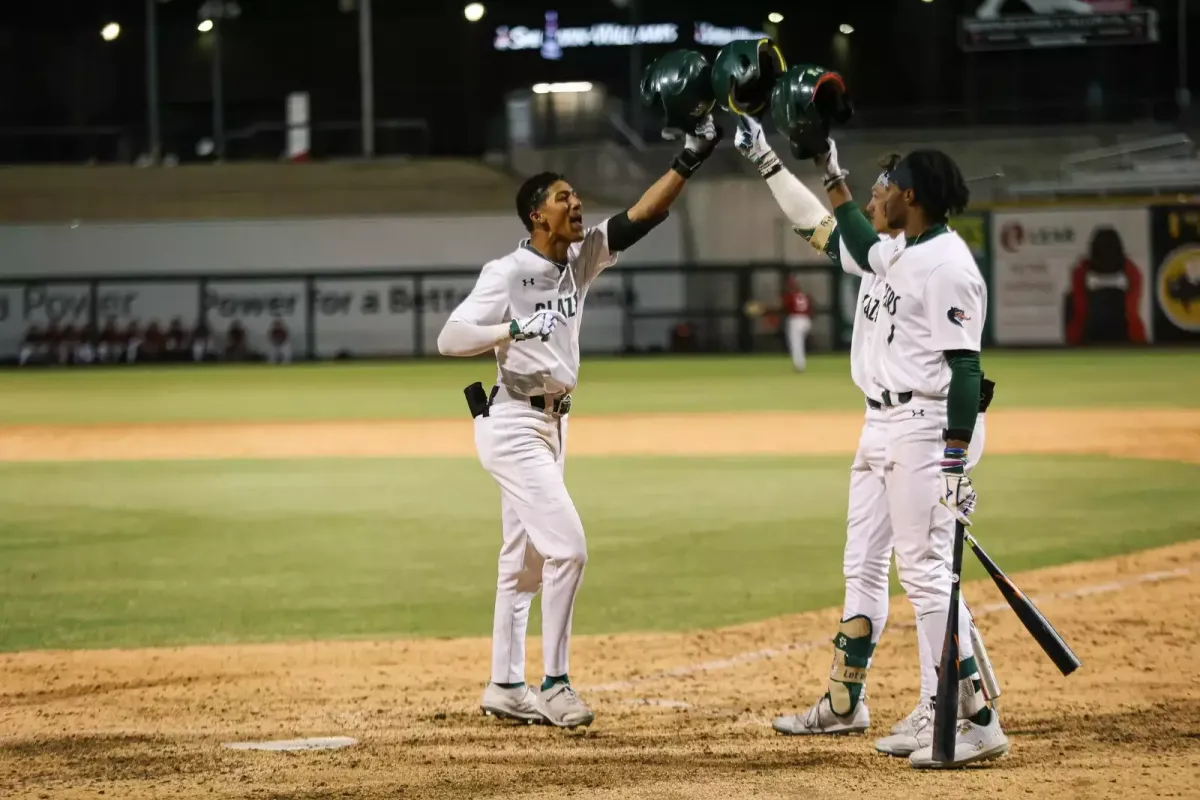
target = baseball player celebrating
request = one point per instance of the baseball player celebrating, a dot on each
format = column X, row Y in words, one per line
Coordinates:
column 878, row 481
column 527, row 308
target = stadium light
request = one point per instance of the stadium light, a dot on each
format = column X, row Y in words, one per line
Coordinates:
column 205, row 26
column 775, row 17
column 474, row 12
column 846, row 28
column 110, row 32
column 570, row 87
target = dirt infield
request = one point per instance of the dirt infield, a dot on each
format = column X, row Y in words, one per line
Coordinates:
column 1126, row 432
column 679, row 716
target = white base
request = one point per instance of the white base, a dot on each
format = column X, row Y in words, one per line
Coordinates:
column 318, row 743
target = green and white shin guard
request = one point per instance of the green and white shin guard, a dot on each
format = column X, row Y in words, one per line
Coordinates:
column 852, row 649
column 971, row 702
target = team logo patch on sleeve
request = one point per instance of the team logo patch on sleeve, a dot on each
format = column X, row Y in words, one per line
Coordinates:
column 957, row 316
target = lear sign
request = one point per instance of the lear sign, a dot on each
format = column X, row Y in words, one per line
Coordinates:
column 610, row 34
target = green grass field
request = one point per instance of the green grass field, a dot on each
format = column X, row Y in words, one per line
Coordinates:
column 433, row 388
column 129, row 553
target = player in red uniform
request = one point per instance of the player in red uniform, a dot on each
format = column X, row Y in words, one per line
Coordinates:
column 798, row 308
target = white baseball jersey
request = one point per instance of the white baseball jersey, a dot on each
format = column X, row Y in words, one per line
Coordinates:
column 525, row 281
column 933, row 299
column 867, row 309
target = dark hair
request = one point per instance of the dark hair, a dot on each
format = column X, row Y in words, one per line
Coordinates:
column 937, row 183
column 889, row 161
column 533, row 193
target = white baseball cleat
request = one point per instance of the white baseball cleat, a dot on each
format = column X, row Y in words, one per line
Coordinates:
column 519, row 703
column 974, row 743
column 908, row 724
column 821, row 721
column 560, row 706
column 909, row 734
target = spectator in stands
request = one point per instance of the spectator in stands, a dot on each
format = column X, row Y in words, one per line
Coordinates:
column 154, row 342
column 175, row 345
column 131, row 341
column 279, row 343
column 52, row 341
column 203, row 343
column 237, row 348
column 108, row 344
column 683, row 338
column 67, row 344
column 85, row 348
column 34, row 347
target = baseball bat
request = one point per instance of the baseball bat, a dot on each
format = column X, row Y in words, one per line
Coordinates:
column 1034, row 621
column 945, row 706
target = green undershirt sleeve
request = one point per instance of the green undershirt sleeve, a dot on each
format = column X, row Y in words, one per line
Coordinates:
column 856, row 231
column 962, row 401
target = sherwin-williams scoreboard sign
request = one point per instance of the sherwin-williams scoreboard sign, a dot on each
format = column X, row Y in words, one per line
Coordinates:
column 552, row 37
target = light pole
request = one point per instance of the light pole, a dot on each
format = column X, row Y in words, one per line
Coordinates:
column 366, row 68
column 211, row 15
column 153, row 114
column 1182, row 94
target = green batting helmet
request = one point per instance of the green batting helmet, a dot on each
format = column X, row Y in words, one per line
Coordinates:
column 805, row 103
column 743, row 74
column 678, row 84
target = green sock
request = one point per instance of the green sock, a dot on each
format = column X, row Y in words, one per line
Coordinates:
column 516, row 685
column 984, row 717
column 553, row 679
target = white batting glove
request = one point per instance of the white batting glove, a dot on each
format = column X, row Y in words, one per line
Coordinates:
column 827, row 162
column 958, row 494
column 538, row 325
column 751, row 142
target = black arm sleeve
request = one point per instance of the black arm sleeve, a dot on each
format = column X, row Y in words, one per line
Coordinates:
column 624, row 233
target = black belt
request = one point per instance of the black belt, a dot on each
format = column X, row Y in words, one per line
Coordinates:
column 986, row 393
column 561, row 405
column 901, row 399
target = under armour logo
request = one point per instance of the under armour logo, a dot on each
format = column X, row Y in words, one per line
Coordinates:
column 527, row 281
column 918, row 412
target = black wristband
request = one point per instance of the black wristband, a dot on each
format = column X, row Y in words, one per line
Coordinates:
column 686, row 163
column 956, row 434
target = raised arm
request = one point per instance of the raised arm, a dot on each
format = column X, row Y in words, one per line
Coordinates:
column 845, row 236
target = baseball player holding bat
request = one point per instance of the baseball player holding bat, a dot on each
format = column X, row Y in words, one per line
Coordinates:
column 917, row 363
column 527, row 307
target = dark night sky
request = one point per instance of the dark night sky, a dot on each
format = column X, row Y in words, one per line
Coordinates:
column 431, row 63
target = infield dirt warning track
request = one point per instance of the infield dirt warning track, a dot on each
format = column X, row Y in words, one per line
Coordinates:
column 678, row 715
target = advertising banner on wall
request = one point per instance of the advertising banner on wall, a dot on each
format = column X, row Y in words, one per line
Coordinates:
column 1073, row 277
column 1176, row 285
column 356, row 317
column 49, row 307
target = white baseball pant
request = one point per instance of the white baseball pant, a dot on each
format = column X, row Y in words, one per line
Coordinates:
column 798, row 326
column 543, row 546
column 876, row 489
